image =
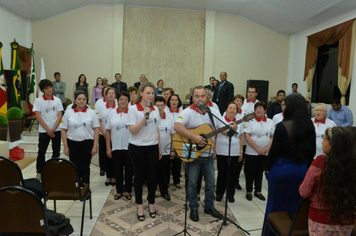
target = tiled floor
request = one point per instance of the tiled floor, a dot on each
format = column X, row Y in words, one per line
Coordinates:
column 248, row 214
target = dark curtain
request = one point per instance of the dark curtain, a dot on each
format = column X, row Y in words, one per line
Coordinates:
column 341, row 33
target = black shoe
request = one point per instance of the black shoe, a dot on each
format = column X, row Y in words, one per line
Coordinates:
column 218, row 198
column 166, row 196
column 249, row 196
column 140, row 218
column 231, row 199
column 238, row 186
column 194, row 216
column 107, row 183
column 152, row 214
column 102, row 173
column 213, row 212
column 260, row 196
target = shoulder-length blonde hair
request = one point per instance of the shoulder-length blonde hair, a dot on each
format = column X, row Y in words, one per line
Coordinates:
column 141, row 89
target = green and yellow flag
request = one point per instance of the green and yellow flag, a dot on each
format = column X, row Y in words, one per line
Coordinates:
column 3, row 95
column 16, row 79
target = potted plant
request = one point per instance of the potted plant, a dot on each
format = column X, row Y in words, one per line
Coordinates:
column 14, row 115
column 3, row 127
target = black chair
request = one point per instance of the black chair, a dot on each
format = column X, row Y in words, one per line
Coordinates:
column 27, row 115
column 283, row 224
column 21, row 212
column 60, row 181
column 10, row 173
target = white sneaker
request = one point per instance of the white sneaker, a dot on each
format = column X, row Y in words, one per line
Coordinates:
column 38, row 176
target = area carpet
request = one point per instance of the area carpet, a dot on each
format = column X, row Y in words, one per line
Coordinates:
column 119, row 217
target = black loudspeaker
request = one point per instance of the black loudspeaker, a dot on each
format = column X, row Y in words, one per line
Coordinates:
column 262, row 89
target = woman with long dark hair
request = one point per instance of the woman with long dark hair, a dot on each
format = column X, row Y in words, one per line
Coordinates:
column 97, row 90
column 82, row 85
column 174, row 109
column 292, row 151
column 331, row 184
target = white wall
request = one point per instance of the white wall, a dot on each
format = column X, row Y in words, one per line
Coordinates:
column 13, row 27
column 248, row 51
column 297, row 54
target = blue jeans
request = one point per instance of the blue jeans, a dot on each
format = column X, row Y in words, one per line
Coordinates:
column 206, row 166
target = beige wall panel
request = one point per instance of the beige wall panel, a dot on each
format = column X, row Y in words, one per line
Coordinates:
column 79, row 41
column 247, row 51
column 164, row 44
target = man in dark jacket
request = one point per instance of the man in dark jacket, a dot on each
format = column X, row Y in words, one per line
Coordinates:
column 224, row 93
column 120, row 86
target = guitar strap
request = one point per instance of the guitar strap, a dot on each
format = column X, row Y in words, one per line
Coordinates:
column 211, row 118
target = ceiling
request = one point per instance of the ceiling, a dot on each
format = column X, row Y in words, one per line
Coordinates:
column 281, row 16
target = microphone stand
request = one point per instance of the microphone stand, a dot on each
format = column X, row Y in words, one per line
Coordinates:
column 225, row 218
column 190, row 149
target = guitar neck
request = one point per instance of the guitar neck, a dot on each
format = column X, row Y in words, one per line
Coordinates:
column 222, row 129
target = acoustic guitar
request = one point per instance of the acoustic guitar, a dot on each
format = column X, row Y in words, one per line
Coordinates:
column 183, row 145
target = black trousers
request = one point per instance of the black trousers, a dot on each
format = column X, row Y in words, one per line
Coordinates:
column 80, row 155
column 176, row 170
column 222, row 164
column 104, row 160
column 43, row 142
column 239, row 165
column 163, row 173
column 121, row 160
column 254, row 167
column 144, row 160
column 102, row 152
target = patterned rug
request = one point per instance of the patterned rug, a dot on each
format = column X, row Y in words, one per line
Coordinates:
column 119, row 217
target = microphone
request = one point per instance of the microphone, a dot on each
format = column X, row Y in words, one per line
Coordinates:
column 202, row 109
column 147, row 115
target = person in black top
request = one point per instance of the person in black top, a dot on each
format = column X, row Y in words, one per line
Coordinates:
column 292, row 151
column 275, row 107
column 83, row 86
column 224, row 93
column 119, row 85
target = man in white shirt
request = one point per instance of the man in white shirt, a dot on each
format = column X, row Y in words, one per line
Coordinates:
column 191, row 118
column 48, row 110
column 250, row 101
column 294, row 89
column 321, row 123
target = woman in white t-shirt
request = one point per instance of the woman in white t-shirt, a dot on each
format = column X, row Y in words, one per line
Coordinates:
column 144, row 149
column 117, row 142
column 222, row 155
column 102, row 110
column 174, row 109
column 80, row 135
column 259, row 136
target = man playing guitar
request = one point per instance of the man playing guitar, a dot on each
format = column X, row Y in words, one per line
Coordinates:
column 191, row 118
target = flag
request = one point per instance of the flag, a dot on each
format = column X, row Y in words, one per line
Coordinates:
column 32, row 84
column 43, row 75
column 3, row 95
column 16, row 79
